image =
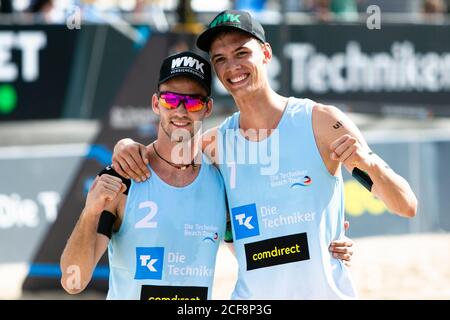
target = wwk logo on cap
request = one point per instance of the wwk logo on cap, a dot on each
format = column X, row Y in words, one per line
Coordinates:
column 187, row 62
column 225, row 18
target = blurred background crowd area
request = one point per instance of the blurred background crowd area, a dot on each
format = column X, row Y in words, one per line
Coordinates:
column 182, row 11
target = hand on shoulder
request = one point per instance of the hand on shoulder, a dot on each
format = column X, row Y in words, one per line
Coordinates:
column 130, row 160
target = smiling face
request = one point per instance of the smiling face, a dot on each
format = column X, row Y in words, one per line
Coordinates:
column 180, row 118
column 239, row 61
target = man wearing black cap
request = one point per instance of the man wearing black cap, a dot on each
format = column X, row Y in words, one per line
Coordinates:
column 162, row 242
column 284, row 219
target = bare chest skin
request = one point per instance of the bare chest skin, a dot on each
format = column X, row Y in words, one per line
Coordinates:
column 177, row 177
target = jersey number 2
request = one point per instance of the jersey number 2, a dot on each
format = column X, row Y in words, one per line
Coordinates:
column 146, row 221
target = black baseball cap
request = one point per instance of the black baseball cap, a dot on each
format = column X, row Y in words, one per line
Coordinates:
column 187, row 64
column 230, row 20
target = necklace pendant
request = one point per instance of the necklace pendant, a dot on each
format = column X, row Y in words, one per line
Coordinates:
column 183, row 168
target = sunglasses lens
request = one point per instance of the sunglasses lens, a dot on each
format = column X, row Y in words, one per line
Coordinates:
column 169, row 100
column 194, row 104
column 172, row 100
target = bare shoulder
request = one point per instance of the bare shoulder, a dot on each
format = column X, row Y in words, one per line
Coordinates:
column 327, row 116
column 328, row 123
column 209, row 143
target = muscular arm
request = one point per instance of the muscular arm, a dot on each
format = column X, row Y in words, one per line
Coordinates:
column 85, row 246
column 340, row 141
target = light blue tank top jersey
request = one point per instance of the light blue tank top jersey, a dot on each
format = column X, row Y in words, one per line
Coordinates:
column 167, row 244
column 284, row 212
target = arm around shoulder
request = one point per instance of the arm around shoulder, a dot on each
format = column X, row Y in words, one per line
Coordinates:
column 130, row 160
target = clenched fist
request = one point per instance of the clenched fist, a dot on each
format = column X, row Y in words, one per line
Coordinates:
column 349, row 151
column 104, row 190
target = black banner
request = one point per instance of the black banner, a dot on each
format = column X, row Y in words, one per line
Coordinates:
column 34, row 70
column 277, row 251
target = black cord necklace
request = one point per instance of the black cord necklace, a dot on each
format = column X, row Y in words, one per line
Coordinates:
column 178, row 166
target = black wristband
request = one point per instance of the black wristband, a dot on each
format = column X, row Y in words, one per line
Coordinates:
column 106, row 223
column 362, row 178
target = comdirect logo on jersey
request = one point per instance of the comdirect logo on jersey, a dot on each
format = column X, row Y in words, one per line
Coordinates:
column 245, row 221
column 152, row 292
column 276, row 251
column 149, row 263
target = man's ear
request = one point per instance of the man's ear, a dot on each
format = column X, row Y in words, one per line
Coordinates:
column 267, row 52
column 209, row 107
column 155, row 105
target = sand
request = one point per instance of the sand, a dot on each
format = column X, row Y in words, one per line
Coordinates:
column 403, row 267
